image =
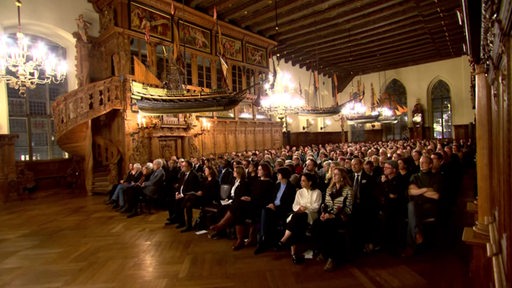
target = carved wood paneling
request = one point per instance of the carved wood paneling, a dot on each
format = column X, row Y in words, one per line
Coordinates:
column 277, row 136
column 241, row 137
column 8, row 168
column 496, row 53
column 86, row 103
column 231, row 136
column 228, row 136
column 258, row 135
column 111, row 55
column 169, row 147
column 207, row 143
column 220, row 139
column 267, row 136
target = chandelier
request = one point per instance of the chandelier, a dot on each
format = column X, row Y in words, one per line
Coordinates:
column 354, row 109
column 281, row 99
column 23, row 65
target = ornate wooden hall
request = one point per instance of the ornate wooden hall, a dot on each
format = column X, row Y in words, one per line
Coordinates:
column 150, row 79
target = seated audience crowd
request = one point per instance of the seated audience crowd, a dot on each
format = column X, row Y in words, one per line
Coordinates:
column 339, row 200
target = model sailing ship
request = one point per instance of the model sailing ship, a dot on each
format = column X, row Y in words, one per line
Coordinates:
column 173, row 96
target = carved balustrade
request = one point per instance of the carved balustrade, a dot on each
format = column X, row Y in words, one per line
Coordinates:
column 88, row 102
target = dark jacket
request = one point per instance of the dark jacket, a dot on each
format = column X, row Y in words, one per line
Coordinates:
column 190, row 183
column 226, row 177
column 286, row 199
column 155, row 183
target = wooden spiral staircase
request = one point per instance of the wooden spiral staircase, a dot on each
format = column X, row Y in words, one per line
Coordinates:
column 74, row 113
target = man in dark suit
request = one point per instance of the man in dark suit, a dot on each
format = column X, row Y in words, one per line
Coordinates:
column 172, row 178
column 226, row 174
column 365, row 209
column 198, row 167
column 187, row 196
column 276, row 211
column 153, row 186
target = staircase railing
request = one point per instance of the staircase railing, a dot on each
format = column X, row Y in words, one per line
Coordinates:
column 87, row 102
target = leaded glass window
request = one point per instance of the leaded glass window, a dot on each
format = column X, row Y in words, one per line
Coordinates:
column 441, row 110
column 30, row 117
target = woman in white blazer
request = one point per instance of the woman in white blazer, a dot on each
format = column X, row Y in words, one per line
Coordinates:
column 305, row 211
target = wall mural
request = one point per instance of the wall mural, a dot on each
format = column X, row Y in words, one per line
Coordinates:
column 232, row 48
column 255, row 55
column 195, row 37
column 142, row 18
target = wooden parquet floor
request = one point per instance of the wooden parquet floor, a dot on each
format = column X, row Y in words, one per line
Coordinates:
column 67, row 240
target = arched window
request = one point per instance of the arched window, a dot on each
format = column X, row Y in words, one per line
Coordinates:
column 395, row 96
column 30, row 116
column 441, row 110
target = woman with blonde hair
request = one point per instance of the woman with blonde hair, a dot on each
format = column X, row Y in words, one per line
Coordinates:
column 335, row 215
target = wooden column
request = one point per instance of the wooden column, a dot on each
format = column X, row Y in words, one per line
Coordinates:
column 8, row 167
column 480, row 267
column 483, row 152
column 477, row 237
column 89, row 160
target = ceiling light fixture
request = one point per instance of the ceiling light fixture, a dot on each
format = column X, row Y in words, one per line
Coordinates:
column 23, row 65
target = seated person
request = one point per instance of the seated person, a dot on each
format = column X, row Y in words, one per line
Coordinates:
column 131, row 179
column 261, row 196
column 423, row 204
column 187, row 196
column 131, row 192
column 114, row 187
column 277, row 211
column 210, row 190
column 305, row 211
column 151, row 187
column 336, row 212
column 235, row 209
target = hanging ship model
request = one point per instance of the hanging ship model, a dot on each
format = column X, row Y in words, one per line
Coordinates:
column 384, row 114
column 189, row 99
column 172, row 96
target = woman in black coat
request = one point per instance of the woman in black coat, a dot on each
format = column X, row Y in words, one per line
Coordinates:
column 239, row 209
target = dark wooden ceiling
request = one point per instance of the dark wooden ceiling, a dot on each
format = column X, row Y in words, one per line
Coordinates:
column 349, row 37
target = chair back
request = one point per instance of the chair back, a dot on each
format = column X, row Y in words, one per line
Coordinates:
column 225, row 190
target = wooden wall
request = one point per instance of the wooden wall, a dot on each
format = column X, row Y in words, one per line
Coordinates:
column 309, row 138
column 8, row 168
column 231, row 135
column 493, row 83
column 48, row 173
column 464, row 132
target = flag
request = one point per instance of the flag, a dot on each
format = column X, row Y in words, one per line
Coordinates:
column 221, row 47
column 335, row 94
column 223, row 64
column 315, row 74
column 219, row 33
column 224, row 67
column 176, row 40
